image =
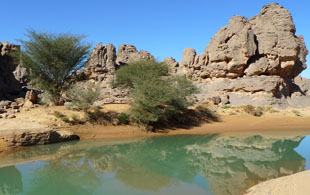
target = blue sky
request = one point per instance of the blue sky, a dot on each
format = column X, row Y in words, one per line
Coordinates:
column 162, row 27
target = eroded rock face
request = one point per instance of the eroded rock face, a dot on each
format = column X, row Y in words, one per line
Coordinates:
column 266, row 44
column 11, row 73
column 253, row 61
column 249, row 61
column 102, row 64
column 129, row 53
column 36, row 137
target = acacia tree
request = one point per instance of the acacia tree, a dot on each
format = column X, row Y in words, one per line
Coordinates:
column 50, row 59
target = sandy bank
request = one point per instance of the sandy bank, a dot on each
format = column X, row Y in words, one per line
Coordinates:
column 228, row 124
column 232, row 120
column 296, row 184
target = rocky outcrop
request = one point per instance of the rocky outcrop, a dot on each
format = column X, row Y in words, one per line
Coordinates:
column 11, row 73
column 129, row 53
column 265, row 44
column 296, row 184
column 36, row 137
column 100, row 69
column 256, row 58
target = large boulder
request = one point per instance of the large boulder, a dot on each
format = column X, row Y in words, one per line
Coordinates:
column 129, row 53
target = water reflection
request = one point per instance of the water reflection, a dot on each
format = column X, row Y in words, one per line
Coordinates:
column 204, row 164
column 10, row 180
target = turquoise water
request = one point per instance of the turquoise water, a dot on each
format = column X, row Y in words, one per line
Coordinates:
column 199, row 164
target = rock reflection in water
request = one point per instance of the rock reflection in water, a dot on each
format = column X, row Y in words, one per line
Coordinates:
column 227, row 164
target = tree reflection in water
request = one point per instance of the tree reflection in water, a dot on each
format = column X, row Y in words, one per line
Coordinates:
column 227, row 164
column 10, row 180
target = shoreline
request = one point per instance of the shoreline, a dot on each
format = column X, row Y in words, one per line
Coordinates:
column 232, row 120
column 296, row 184
column 227, row 125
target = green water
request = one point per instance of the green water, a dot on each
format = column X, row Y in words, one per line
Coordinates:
column 200, row 164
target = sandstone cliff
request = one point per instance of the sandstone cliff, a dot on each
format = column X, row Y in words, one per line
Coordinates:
column 11, row 73
column 100, row 68
column 253, row 61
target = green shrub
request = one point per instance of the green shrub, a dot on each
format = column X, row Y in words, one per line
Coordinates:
column 102, row 118
column 83, row 97
column 50, row 60
column 296, row 112
column 61, row 116
column 226, row 107
column 253, row 111
column 58, row 114
column 75, row 119
column 123, row 118
column 65, row 119
column 157, row 96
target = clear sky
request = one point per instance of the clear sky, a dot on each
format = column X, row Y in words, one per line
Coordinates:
column 162, row 27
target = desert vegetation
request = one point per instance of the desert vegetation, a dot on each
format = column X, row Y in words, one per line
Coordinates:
column 50, row 60
column 158, row 99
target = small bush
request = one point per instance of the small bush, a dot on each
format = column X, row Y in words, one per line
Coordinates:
column 123, row 118
column 226, row 107
column 65, row 119
column 83, row 97
column 102, row 118
column 75, row 119
column 270, row 109
column 253, row 111
column 58, row 114
column 296, row 112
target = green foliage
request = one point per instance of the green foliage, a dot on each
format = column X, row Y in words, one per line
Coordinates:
column 140, row 71
column 123, row 118
column 61, row 116
column 296, row 112
column 50, row 59
column 157, row 96
column 75, row 117
column 226, row 107
column 102, row 118
column 65, row 119
column 83, row 97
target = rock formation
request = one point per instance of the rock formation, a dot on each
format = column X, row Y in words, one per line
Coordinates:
column 100, row 68
column 11, row 73
column 250, row 59
column 36, row 136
